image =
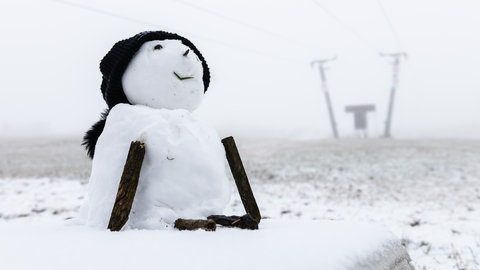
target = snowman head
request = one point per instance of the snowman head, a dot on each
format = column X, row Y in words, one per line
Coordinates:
column 156, row 69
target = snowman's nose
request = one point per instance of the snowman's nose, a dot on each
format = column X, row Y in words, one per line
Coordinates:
column 186, row 52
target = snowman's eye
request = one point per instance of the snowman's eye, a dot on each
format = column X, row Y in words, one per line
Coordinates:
column 158, row 47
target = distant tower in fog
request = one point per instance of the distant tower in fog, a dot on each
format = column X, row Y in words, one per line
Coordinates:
column 396, row 69
column 321, row 69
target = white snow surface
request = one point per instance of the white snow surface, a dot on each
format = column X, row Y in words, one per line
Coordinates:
column 183, row 173
column 427, row 192
column 331, row 245
column 150, row 78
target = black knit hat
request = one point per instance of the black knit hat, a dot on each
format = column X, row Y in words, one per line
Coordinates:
column 113, row 65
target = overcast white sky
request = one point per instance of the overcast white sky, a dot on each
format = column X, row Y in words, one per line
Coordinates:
column 259, row 53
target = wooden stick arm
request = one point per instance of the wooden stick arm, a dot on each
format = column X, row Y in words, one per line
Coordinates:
column 241, row 179
column 127, row 187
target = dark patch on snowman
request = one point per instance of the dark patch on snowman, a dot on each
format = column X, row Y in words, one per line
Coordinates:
column 151, row 83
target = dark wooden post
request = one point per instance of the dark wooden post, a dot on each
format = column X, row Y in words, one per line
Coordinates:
column 241, row 179
column 127, row 187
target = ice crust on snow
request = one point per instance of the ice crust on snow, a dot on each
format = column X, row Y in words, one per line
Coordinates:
column 183, row 173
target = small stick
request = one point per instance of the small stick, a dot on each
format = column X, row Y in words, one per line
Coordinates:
column 243, row 222
column 127, row 187
column 195, row 224
column 241, row 179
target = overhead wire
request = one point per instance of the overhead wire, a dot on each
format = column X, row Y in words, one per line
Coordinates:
column 344, row 25
column 150, row 24
column 104, row 12
column 390, row 25
column 242, row 23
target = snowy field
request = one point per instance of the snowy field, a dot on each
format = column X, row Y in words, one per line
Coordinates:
column 427, row 192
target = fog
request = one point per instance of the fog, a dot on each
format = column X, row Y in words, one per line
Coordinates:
column 259, row 53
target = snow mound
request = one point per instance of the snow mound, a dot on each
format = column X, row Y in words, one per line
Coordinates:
column 331, row 245
column 183, row 173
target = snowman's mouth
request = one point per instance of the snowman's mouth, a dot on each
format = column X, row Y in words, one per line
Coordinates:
column 182, row 78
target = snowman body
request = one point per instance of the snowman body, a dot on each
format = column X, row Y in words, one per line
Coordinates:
column 183, row 173
column 182, row 176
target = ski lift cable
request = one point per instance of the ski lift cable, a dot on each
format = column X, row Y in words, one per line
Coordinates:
column 345, row 25
column 390, row 25
column 244, row 24
column 150, row 24
column 104, row 12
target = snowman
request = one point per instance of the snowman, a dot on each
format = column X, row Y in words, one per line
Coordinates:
column 152, row 82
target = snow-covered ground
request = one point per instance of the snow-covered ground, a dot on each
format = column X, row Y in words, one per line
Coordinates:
column 427, row 192
column 278, row 244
